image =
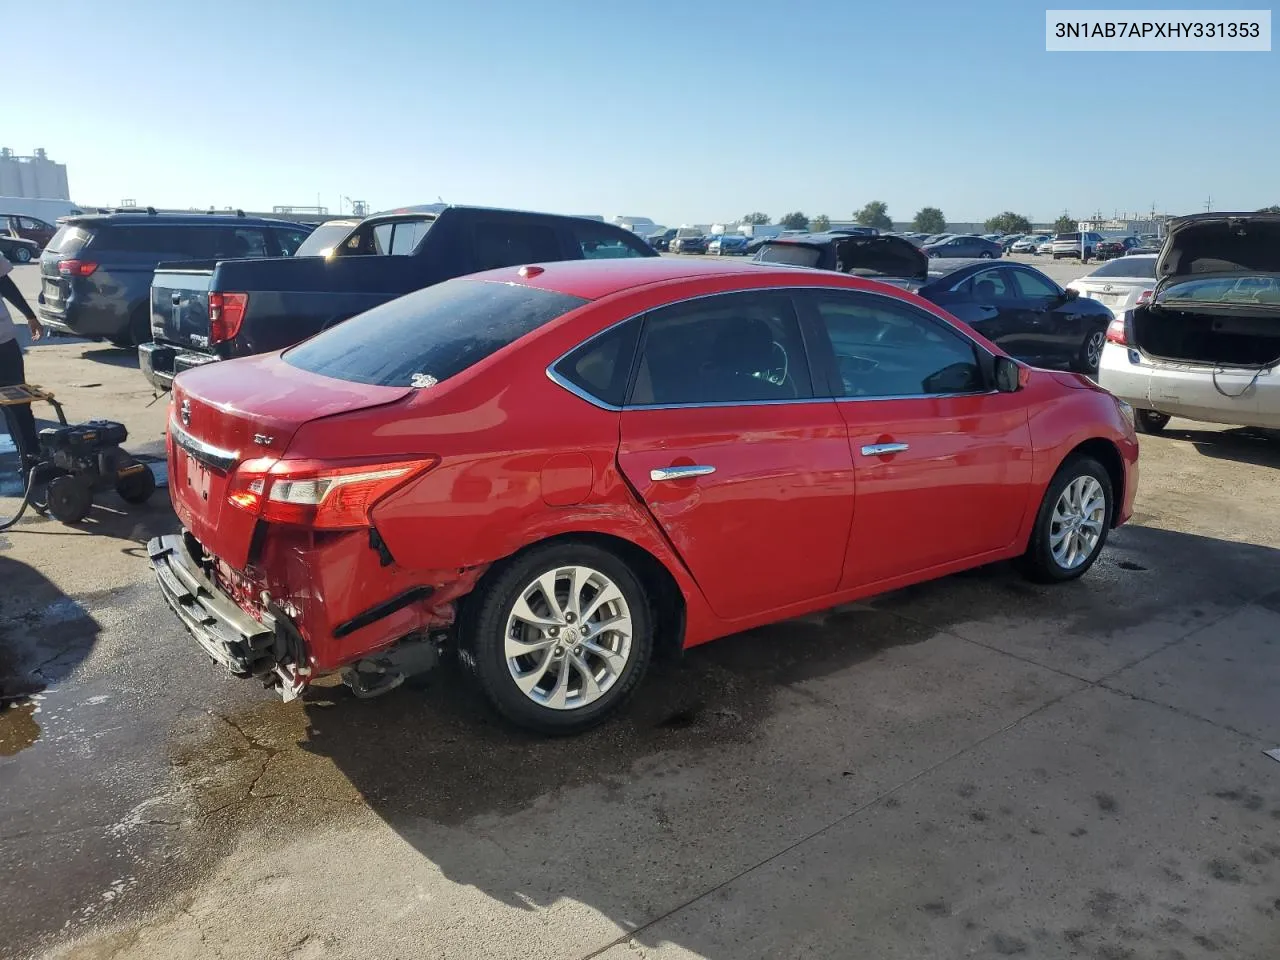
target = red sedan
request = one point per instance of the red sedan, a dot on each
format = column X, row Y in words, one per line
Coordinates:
column 562, row 469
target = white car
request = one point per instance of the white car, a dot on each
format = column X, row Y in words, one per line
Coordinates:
column 1045, row 246
column 1070, row 244
column 1206, row 344
column 1030, row 243
column 1120, row 284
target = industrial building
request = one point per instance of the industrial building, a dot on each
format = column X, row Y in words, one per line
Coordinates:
column 33, row 177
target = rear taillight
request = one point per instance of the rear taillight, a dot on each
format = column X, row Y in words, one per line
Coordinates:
column 1116, row 332
column 322, row 496
column 226, row 313
column 1144, row 297
column 76, row 268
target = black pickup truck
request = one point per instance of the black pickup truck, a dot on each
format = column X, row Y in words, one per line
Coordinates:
column 209, row 311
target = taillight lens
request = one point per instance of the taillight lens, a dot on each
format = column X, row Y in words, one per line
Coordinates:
column 321, row 496
column 1144, row 297
column 226, row 313
column 1116, row 332
column 76, row 268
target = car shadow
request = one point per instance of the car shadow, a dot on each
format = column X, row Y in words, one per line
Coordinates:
column 435, row 764
column 112, row 356
column 44, row 636
column 1251, row 445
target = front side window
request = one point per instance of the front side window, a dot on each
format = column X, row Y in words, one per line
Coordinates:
column 386, row 238
column 731, row 348
column 240, row 243
column 885, row 348
column 290, row 241
column 426, row 337
column 1033, row 286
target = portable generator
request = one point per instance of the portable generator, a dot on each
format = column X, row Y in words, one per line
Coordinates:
column 77, row 460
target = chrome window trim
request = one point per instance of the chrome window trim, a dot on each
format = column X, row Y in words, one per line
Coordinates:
column 206, row 453
column 565, row 384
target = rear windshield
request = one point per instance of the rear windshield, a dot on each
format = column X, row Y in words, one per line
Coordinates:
column 1143, row 268
column 792, row 254
column 322, row 239
column 1259, row 289
column 427, row 337
column 68, row 240
column 1067, row 236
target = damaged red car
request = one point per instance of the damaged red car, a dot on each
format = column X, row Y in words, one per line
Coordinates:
column 560, row 471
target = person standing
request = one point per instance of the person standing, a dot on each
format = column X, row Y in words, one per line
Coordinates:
column 11, row 367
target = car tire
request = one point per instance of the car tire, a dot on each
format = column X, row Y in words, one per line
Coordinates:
column 137, row 488
column 1090, row 354
column 1151, row 421
column 21, row 255
column 1077, row 508
column 545, row 651
column 985, row 255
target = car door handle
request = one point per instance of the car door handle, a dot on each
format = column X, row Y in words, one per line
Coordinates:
column 880, row 449
column 680, row 473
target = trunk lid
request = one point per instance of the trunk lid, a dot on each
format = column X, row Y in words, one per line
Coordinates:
column 1220, row 244
column 180, row 305
column 222, row 415
column 895, row 257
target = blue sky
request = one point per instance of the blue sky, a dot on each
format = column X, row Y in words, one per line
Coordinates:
column 674, row 110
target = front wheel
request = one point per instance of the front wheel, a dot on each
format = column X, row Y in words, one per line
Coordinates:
column 1090, row 353
column 1072, row 523
column 21, row 255
column 1151, row 421
column 985, row 255
column 560, row 638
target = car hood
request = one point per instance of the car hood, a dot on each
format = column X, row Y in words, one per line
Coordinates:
column 1221, row 244
column 882, row 256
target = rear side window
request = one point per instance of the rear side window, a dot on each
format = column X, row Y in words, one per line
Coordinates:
column 69, row 240
column 171, row 242
column 427, row 337
column 597, row 242
column 289, row 241
column 509, row 243
column 1138, row 267
column 240, row 243
column 602, row 365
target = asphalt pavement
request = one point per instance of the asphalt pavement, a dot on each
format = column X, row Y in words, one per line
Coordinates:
column 973, row 767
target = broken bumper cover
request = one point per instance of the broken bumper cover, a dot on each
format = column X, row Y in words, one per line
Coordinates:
column 245, row 646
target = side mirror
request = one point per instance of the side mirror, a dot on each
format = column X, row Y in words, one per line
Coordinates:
column 1070, row 293
column 1008, row 375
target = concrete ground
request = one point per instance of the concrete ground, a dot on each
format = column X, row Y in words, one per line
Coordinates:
column 973, row 767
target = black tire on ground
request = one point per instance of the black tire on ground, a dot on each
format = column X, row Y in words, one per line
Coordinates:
column 1151, row 421
column 985, row 255
column 482, row 643
column 69, row 499
column 21, row 255
column 138, row 487
column 1039, row 563
column 1090, row 353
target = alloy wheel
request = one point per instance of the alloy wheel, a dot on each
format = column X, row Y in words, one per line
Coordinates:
column 1093, row 349
column 1076, row 525
column 568, row 637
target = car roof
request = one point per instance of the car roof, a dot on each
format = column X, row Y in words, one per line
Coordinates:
column 595, row 279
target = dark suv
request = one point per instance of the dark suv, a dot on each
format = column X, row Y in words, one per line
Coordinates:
column 96, row 271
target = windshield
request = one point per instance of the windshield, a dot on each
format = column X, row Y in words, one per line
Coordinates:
column 426, row 337
column 323, row 239
column 1138, row 268
column 791, row 254
column 1248, row 289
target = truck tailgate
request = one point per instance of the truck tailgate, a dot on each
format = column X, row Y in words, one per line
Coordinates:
column 180, row 305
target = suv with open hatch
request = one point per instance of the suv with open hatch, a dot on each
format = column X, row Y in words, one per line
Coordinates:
column 96, row 271
column 560, row 470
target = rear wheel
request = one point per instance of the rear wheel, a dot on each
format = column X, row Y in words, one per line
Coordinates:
column 1072, row 523
column 21, row 255
column 985, row 255
column 1151, row 421
column 560, row 638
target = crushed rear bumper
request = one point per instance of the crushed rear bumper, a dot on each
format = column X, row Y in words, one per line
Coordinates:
column 246, row 646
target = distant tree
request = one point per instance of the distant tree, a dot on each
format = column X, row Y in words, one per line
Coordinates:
column 929, row 220
column 820, row 223
column 794, row 221
column 1008, row 222
column 875, row 214
column 1065, row 224
column 756, row 218
column 1271, row 209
